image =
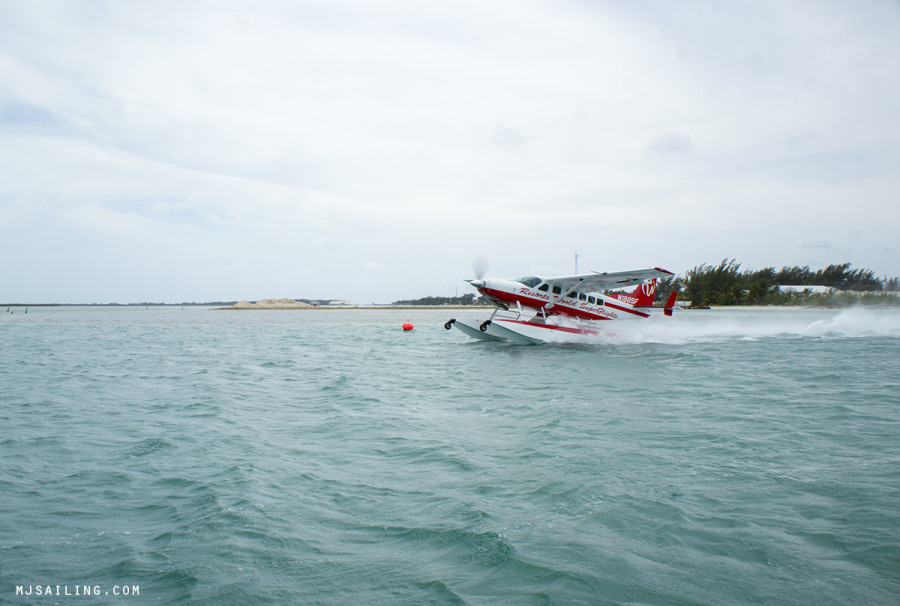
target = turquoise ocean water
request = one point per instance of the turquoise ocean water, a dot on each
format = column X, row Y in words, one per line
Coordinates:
column 327, row 457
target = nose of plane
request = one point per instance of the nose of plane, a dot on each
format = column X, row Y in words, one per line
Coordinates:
column 476, row 283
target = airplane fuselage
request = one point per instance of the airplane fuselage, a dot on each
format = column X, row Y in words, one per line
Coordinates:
column 535, row 293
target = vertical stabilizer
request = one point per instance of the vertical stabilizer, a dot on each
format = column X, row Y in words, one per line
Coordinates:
column 670, row 303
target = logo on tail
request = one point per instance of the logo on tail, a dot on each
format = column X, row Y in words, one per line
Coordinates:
column 642, row 296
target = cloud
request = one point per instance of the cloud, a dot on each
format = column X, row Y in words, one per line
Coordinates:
column 670, row 144
column 820, row 244
column 505, row 136
column 185, row 138
column 24, row 115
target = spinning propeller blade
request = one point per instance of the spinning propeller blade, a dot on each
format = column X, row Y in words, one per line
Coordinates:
column 480, row 267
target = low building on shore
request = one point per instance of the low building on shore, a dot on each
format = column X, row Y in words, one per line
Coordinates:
column 819, row 290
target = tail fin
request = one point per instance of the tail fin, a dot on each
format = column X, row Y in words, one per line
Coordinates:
column 670, row 303
column 642, row 296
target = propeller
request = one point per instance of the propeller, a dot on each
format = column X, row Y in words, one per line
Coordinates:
column 479, row 267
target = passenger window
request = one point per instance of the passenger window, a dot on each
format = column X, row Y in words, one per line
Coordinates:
column 592, row 300
column 582, row 297
column 557, row 290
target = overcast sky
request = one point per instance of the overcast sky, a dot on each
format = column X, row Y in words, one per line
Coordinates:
column 372, row 151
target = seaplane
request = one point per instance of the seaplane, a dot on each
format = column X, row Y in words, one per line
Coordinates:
column 534, row 310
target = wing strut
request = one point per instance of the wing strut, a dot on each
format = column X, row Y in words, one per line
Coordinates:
column 565, row 294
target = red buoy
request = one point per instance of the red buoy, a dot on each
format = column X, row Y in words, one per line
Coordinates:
column 407, row 326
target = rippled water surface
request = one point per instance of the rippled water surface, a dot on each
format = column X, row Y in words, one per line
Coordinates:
column 328, row 457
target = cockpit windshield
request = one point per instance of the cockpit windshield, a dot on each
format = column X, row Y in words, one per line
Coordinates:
column 530, row 281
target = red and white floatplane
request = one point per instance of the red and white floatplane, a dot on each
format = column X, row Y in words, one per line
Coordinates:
column 533, row 310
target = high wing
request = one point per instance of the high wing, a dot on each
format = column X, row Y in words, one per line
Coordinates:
column 606, row 280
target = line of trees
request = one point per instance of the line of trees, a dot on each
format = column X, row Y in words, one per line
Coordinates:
column 726, row 284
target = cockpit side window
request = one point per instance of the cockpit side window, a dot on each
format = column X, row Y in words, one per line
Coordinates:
column 544, row 287
column 530, row 281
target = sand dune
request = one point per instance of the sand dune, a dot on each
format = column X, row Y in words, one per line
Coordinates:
column 272, row 304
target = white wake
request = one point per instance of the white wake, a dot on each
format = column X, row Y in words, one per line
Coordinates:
column 737, row 323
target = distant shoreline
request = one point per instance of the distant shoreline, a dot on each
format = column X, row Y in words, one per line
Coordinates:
column 353, row 307
column 213, row 306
